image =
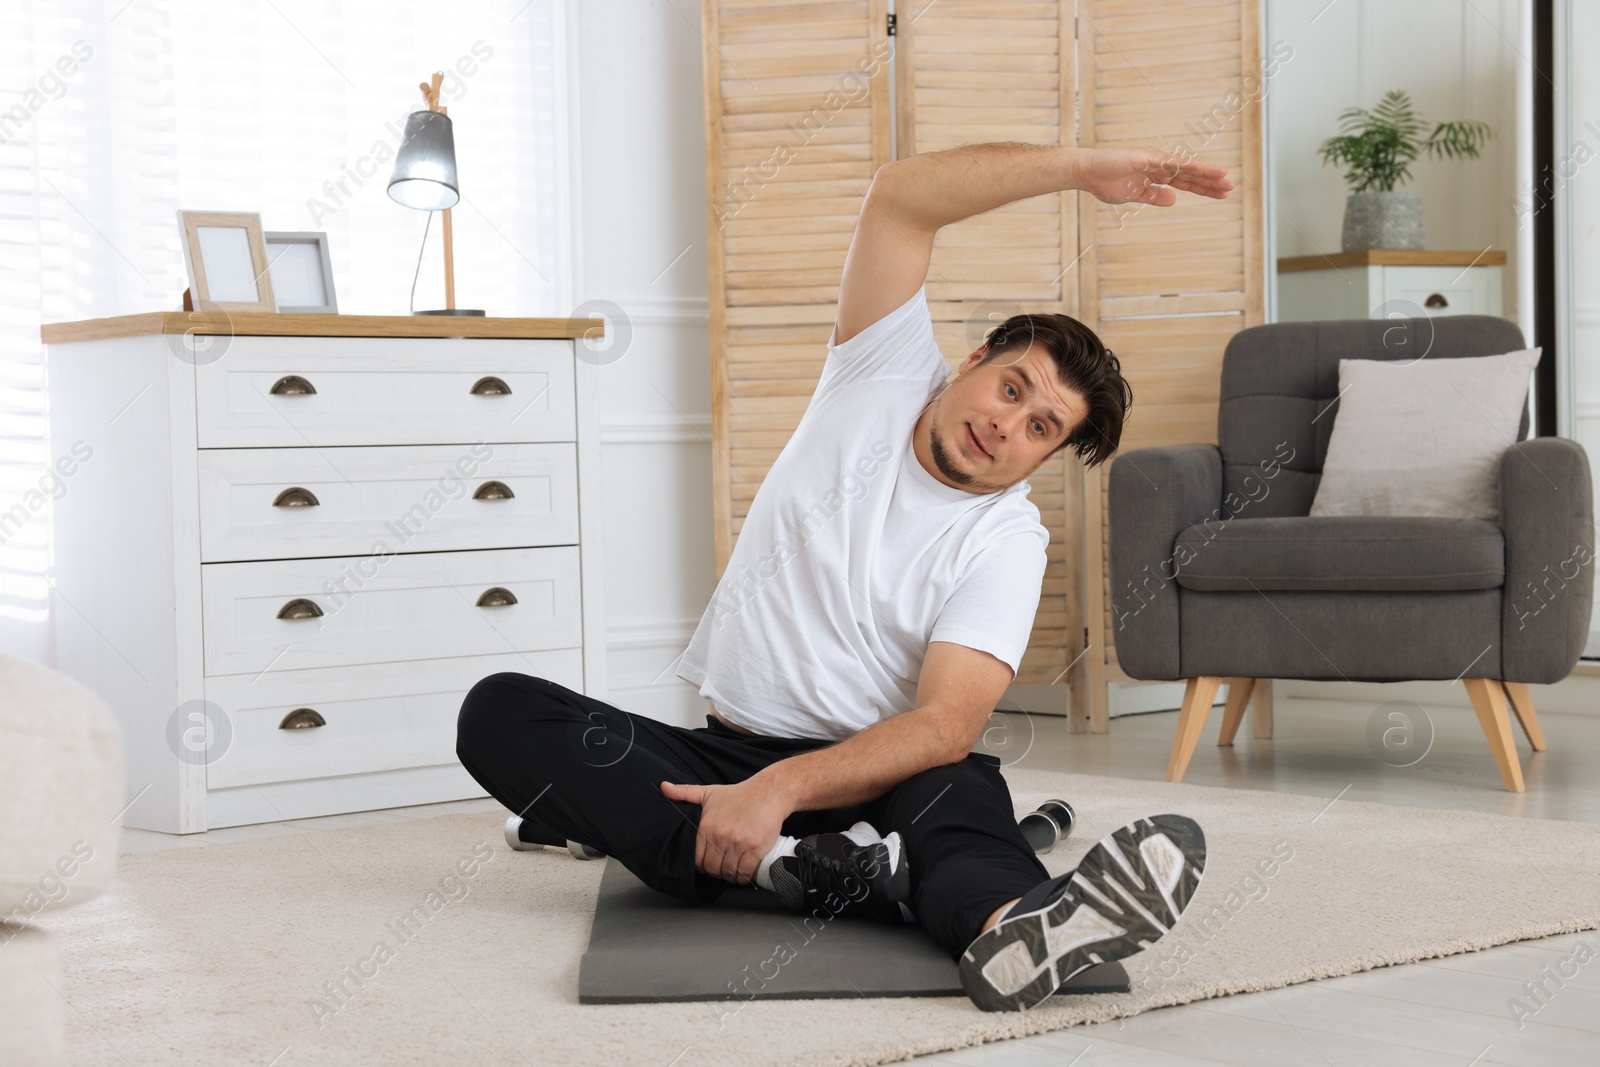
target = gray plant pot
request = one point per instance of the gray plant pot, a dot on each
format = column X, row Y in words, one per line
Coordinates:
column 1383, row 220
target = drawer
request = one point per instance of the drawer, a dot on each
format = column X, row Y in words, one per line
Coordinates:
column 373, row 718
column 284, row 615
column 356, row 501
column 1469, row 291
column 377, row 390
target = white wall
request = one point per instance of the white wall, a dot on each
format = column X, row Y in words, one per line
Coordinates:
column 642, row 190
column 1456, row 58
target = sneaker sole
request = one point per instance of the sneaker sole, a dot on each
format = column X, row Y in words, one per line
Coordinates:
column 1129, row 890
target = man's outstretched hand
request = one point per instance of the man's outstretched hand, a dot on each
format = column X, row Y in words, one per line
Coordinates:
column 1144, row 175
column 739, row 824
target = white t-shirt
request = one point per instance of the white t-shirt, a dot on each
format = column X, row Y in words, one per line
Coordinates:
column 853, row 557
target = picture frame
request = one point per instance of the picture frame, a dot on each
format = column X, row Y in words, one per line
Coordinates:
column 302, row 272
column 225, row 254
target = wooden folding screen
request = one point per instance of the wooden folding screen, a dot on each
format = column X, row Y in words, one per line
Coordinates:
column 970, row 71
column 797, row 121
column 1167, row 287
column 798, row 115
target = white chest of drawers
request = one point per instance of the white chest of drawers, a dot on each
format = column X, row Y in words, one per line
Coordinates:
column 1388, row 283
column 284, row 556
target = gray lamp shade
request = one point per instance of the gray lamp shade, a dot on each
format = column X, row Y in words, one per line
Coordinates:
column 425, row 167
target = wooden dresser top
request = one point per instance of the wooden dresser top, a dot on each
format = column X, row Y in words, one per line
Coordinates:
column 288, row 325
column 1395, row 257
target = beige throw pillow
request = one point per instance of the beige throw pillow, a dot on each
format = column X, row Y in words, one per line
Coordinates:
column 1423, row 437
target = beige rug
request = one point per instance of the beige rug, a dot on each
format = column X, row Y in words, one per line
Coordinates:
column 430, row 942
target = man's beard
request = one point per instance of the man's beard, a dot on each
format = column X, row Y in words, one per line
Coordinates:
column 941, row 459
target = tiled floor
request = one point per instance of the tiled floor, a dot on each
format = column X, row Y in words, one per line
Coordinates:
column 1453, row 1012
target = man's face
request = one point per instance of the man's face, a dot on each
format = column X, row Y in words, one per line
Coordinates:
column 995, row 422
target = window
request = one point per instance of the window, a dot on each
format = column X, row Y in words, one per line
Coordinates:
column 114, row 116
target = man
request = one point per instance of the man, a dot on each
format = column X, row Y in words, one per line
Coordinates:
column 874, row 609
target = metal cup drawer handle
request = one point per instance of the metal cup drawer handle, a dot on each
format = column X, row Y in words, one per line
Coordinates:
column 497, row 597
column 302, row 719
column 493, row 490
column 295, row 385
column 490, row 386
column 1436, row 300
column 300, row 608
column 292, row 385
column 295, row 497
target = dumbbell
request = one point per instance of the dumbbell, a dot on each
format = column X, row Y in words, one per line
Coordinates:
column 517, row 827
column 1046, row 825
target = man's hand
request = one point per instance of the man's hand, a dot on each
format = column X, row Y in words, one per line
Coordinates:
column 739, row 824
column 1126, row 175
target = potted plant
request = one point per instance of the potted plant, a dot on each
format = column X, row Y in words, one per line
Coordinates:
column 1378, row 146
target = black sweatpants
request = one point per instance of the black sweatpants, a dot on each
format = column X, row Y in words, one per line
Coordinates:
column 580, row 769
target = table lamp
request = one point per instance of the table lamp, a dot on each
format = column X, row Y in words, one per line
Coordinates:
column 425, row 178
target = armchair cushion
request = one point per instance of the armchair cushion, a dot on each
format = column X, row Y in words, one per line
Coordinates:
column 1354, row 552
column 1280, row 391
column 1423, row 438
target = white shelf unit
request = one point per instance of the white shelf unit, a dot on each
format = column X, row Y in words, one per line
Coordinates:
column 1382, row 283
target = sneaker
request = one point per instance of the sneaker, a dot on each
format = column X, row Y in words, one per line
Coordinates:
column 514, row 837
column 851, row 873
column 1126, row 893
column 525, row 835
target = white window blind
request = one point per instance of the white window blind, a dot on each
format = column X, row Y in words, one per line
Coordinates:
column 115, row 115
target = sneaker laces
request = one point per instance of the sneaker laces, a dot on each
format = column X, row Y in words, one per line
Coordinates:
column 828, row 869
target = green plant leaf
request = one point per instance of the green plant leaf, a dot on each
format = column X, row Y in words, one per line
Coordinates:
column 1458, row 140
column 1379, row 145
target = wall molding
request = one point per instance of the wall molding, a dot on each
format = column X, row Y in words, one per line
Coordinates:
column 665, row 310
column 642, row 660
column 656, row 634
column 655, row 429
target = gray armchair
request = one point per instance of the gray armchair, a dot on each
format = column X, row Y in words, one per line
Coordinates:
column 1219, row 573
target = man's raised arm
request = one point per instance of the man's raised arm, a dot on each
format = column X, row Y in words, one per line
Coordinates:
column 911, row 198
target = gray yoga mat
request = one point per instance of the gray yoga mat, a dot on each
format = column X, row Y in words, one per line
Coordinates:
column 646, row 946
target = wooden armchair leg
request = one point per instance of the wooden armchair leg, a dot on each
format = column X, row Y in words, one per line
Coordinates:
column 1238, row 697
column 1488, row 699
column 1197, row 698
column 1522, row 704
column 1261, row 709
